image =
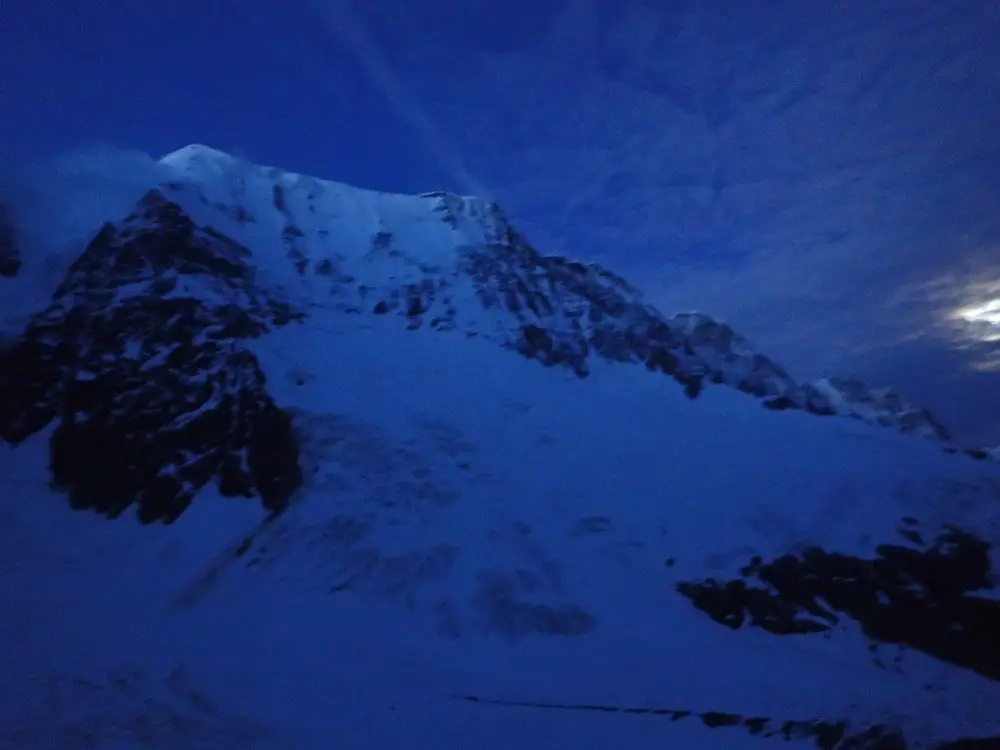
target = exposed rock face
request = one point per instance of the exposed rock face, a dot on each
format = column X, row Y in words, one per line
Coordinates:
column 921, row 596
column 732, row 360
column 568, row 311
column 10, row 256
column 139, row 359
column 731, row 357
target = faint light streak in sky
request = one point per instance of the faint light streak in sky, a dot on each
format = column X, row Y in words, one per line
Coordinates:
column 349, row 29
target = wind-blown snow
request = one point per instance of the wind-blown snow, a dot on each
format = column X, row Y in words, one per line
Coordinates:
column 470, row 523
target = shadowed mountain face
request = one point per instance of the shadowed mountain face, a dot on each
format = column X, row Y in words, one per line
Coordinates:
column 139, row 359
column 10, row 256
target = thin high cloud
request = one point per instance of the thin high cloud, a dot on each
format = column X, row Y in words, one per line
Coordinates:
column 348, row 29
column 821, row 175
column 786, row 170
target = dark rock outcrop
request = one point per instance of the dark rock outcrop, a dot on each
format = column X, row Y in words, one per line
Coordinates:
column 732, row 360
column 919, row 597
column 10, row 255
column 139, row 359
column 567, row 311
column 825, row 735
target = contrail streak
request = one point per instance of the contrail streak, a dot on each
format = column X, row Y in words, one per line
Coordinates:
column 350, row 30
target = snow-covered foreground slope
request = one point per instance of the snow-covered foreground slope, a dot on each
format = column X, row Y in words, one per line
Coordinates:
column 499, row 531
column 464, row 548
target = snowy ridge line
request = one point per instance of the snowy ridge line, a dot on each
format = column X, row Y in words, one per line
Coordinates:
column 827, row 735
column 412, row 248
column 412, row 255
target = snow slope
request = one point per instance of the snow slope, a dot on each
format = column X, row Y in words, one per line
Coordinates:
column 499, row 501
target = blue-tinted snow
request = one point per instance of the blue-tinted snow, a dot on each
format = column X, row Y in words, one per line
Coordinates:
column 467, row 465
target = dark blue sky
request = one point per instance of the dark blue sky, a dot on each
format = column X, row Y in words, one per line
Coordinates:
column 259, row 77
column 826, row 176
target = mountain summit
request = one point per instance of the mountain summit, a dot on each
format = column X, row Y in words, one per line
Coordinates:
column 500, row 498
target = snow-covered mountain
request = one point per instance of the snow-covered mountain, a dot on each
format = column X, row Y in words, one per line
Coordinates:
column 501, row 499
column 547, row 307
